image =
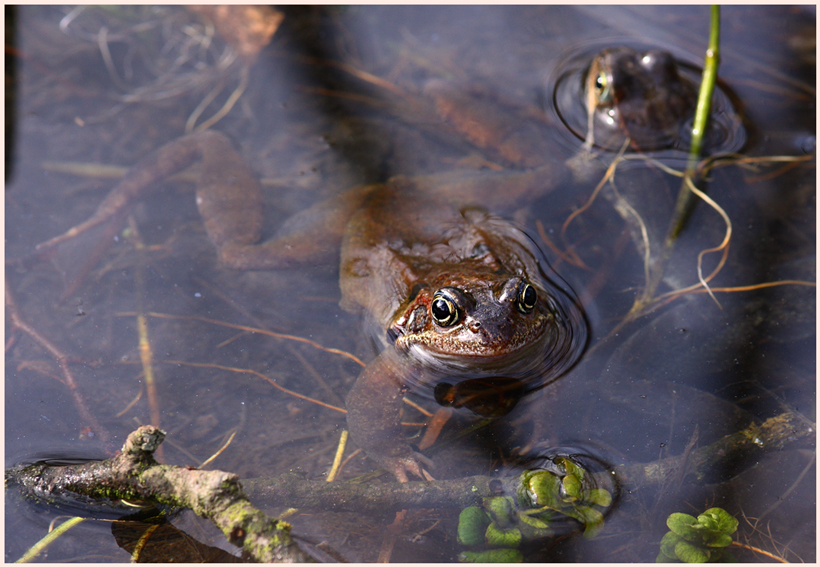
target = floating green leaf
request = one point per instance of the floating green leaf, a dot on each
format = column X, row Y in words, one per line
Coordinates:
column 501, row 510
column 542, row 488
column 569, row 467
column 530, row 532
column 689, row 553
column 685, row 526
column 472, row 523
column 496, row 537
column 491, row 556
column 598, row 496
column 721, row 540
column 572, row 486
column 668, row 543
column 593, row 521
column 698, row 540
column 533, row 521
column 721, row 520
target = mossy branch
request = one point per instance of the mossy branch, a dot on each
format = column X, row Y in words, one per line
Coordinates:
column 135, row 475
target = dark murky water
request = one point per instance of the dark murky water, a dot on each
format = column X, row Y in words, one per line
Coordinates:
column 688, row 371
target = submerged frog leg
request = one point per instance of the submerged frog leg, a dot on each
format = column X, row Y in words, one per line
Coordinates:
column 373, row 416
column 157, row 165
column 312, row 235
column 230, row 202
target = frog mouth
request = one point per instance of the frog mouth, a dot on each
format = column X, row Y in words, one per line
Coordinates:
column 537, row 357
column 520, row 353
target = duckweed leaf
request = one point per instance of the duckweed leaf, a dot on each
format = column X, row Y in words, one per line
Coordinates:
column 533, row 521
column 496, row 537
column 701, row 539
column 685, row 526
column 532, row 533
column 593, row 521
column 599, row 496
column 570, row 467
column 501, row 510
column 689, row 553
column 543, row 487
column 719, row 520
column 668, row 543
column 491, row 556
column 722, row 540
column 572, row 486
column 472, row 523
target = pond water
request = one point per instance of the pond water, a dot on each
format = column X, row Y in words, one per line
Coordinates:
column 340, row 98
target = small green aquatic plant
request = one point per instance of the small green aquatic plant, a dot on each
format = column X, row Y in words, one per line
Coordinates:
column 698, row 540
column 502, row 524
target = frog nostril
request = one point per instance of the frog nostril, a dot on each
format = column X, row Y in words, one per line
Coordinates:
column 474, row 325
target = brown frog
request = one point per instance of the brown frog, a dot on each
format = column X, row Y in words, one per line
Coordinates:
column 458, row 296
column 642, row 96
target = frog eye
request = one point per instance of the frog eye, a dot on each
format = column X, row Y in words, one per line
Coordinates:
column 602, row 86
column 444, row 310
column 526, row 298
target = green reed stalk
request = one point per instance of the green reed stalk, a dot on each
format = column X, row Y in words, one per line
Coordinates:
column 684, row 204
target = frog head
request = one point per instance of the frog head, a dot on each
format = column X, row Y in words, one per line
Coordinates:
column 477, row 322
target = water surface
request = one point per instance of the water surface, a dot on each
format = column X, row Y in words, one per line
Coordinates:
column 690, row 371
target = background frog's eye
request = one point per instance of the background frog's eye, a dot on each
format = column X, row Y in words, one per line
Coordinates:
column 444, row 311
column 602, row 86
column 526, row 298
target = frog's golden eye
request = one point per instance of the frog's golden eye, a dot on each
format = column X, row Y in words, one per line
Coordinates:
column 444, row 310
column 602, row 86
column 527, row 297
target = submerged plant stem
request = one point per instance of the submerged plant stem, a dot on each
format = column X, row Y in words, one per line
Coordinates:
column 685, row 200
column 145, row 351
column 49, row 538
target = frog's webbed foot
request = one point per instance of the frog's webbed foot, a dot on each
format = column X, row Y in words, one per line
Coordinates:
column 413, row 464
column 374, row 417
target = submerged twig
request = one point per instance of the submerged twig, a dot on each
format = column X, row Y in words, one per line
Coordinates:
column 62, row 360
column 337, row 460
column 260, row 375
column 145, row 351
column 314, row 344
column 760, row 551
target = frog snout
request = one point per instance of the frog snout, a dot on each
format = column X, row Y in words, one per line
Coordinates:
column 490, row 331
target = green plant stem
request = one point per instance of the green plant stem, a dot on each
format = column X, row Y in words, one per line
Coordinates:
column 50, row 538
column 685, row 202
